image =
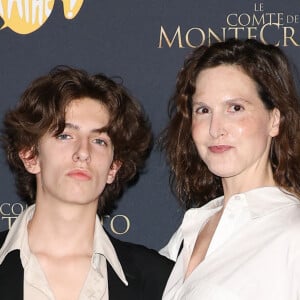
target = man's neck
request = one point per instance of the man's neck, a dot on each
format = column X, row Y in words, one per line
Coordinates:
column 62, row 229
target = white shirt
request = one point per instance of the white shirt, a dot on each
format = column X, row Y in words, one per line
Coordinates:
column 36, row 286
column 254, row 253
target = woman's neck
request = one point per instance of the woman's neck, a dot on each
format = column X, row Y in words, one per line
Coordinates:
column 246, row 182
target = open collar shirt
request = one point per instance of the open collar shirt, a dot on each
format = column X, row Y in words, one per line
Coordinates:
column 36, row 286
column 254, row 253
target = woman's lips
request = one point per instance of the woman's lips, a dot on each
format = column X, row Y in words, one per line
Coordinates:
column 80, row 175
column 219, row 148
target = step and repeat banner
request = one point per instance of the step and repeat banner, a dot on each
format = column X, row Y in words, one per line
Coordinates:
column 145, row 43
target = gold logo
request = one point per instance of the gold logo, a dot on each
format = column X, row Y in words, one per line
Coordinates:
column 10, row 211
column 118, row 224
column 26, row 16
column 259, row 24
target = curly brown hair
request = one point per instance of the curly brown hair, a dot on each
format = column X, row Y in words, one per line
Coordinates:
column 268, row 66
column 42, row 108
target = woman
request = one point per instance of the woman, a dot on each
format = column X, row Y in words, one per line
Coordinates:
column 234, row 137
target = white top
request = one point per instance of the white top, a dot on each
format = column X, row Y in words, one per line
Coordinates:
column 254, row 253
column 36, row 286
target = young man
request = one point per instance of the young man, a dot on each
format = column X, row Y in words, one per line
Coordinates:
column 73, row 142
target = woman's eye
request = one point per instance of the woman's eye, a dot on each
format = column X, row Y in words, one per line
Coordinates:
column 235, row 108
column 202, row 110
column 63, row 136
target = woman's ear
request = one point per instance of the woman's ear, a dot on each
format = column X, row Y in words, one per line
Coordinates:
column 30, row 161
column 114, row 168
column 275, row 122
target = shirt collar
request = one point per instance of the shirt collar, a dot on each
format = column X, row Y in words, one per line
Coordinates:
column 265, row 200
column 17, row 233
column 102, row 245
column 259, row 202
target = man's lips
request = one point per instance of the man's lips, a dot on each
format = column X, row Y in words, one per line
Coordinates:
column 219, row 148
column 79, row 174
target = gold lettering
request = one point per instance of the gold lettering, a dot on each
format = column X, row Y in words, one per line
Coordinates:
column 240, row 24
column 236, row 31
column 247, row 19
column 211, row 33
column 292, row 19
column 249, row 29
column 262, row 34
column 17, row 209
column 163, row 35
column 2, row 207
column 258, row 7
column 257, row 22
column 244, row 19
column 280, row 19
column 228, row 20
column 187, row 37
column 271, row 15
column 127, row 224
column 14, row 209
column 290, row 36
column 10, row 221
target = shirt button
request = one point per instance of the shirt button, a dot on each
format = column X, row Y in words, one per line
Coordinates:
column 237, row 197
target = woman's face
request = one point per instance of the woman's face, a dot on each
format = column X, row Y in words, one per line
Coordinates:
column 231, row 128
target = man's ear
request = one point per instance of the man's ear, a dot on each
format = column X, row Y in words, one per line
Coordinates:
column 274, row 131
column 30, row 161
column 114, row 168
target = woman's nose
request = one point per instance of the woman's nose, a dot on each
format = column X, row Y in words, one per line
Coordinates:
column 217, row 126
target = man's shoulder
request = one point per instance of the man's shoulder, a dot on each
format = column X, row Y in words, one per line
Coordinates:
column 11, row 273
column 3, row 235
column 146, row 270
column 143, row 262
column 13, row 257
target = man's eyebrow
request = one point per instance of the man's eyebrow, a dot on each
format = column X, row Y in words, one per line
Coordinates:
column 96, row 130
column 100, row 130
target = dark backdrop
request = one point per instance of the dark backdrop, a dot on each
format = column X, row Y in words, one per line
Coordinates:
column 144, row 42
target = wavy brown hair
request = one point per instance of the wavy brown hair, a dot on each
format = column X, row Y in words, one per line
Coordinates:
column 42, row 108
column 268, row 66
